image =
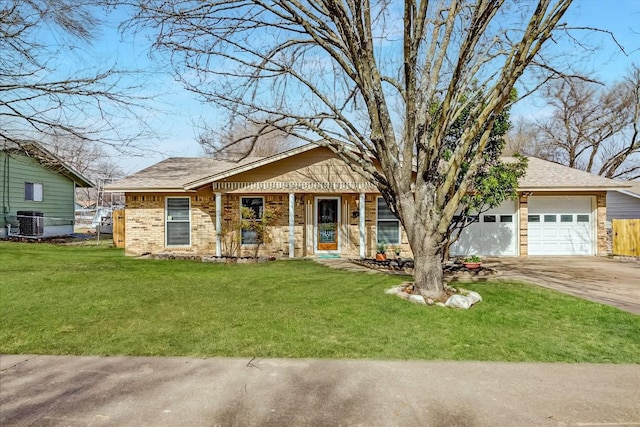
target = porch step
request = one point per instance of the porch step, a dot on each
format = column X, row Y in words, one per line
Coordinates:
column 329, row 256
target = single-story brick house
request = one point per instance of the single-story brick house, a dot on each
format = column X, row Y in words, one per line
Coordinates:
column 184, row 205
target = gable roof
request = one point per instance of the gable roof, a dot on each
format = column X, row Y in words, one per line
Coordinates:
column 258, row 162
column 180, row 174
column 545, row 175
column 188, row 173
column 46, row 158
column 174, row 174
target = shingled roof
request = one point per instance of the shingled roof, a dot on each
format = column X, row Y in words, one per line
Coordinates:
column 46, row 158
column 188, row 173
column 175, row 173
column 545, row 175
column 633, row 190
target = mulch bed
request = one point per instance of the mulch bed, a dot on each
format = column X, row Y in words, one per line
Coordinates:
column 453, row 271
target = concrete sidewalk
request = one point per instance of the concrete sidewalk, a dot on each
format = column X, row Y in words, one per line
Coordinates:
column 144, row 391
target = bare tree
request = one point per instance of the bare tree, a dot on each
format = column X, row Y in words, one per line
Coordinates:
column 39, row 93
column 522, row 139
column 379, row 83
column 248, row 138
column 592, row 128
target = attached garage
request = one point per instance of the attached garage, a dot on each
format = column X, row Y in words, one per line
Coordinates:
column 562, row 225
column 493, row 233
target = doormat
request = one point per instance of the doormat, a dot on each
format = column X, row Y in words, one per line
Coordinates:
column 329, row 256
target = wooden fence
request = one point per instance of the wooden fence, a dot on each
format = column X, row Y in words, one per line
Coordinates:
column 626, row 237
column 117, row 220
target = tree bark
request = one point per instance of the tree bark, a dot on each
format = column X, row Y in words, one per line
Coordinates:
column 421, row 225
column 427, row 271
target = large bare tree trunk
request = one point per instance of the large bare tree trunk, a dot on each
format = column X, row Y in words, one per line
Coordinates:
column 427, row 271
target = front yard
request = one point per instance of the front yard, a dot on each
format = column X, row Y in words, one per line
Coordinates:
column 89, row 300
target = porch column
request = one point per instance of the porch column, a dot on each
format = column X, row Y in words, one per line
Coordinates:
column 361, row 227
column 218, row 224
column 292, row 223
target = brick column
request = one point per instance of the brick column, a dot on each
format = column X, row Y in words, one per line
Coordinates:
column 601, row 224
column 523, row 226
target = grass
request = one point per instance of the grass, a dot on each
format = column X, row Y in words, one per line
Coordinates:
column 89, row 300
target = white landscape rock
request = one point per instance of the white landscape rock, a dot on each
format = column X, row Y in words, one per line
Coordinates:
column 393, row 291
column 459, row 301
column 418, row 299
column 474, row 296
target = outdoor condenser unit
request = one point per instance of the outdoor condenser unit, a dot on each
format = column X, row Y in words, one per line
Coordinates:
column 31, row 223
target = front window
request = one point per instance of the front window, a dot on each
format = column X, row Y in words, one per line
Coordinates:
column 178, row 221
column 33, row 191
column 388, row 224
column 252, row 210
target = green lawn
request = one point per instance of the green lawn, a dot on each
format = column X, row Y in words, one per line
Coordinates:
column 95, row 301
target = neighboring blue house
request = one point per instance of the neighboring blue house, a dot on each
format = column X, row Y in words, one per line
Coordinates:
column 624, row 203
column 37, row 191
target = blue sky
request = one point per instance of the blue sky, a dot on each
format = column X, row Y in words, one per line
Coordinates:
column 178, row 111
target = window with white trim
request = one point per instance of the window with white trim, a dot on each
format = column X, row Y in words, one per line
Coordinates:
column 33, row 191
column 388, row 224
column 178, row 221
column 256, row 207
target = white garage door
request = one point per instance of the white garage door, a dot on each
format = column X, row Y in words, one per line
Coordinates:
column 561, row 225
column 492, row 233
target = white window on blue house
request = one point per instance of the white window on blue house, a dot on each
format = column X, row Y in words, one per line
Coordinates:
column 178, row 221
column 256, row 205
column 33, row 191
column 388, row 224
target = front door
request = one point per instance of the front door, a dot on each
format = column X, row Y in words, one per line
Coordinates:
column 327, row 223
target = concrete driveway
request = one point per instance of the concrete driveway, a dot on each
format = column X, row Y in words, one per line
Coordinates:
column 609, row 281
column 147, row 391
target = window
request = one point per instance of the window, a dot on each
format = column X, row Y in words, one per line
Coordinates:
column 33, row 191
column 533, row 218
column 583, row 218
column 489, row 218
column 388, row 224
column 506, row 218
column 256, row 206
column 549, row 218
column 566, row 218
column 178, row 221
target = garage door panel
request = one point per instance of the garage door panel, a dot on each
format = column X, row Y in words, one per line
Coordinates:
column 561, row 225
column 493, row 234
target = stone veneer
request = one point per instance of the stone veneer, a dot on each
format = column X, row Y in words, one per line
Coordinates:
column 145, row 226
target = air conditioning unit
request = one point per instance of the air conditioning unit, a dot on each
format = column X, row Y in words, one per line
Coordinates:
column 31, row 223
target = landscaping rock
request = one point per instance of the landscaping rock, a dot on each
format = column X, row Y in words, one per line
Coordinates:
column 403, row 295
column 394, row 290
column 459, row 301
column 440, row 304
column 418, row 299
column 474, row 296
